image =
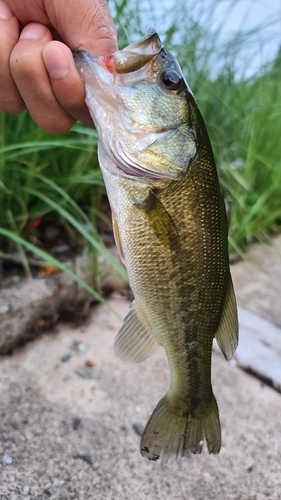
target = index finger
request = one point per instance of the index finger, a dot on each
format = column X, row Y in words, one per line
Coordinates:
column 83, row 24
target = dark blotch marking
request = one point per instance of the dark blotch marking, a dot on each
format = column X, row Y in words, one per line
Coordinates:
column 145, row 449
column 76, row 423
column 86, row 457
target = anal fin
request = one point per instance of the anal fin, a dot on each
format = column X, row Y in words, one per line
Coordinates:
column 135, row 341
column 227, row 332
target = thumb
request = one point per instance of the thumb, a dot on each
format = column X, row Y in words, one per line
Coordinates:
column 85, row 24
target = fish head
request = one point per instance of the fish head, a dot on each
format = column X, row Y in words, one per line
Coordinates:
column 142, row 108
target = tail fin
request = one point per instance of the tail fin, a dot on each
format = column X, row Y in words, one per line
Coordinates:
column 169, row 434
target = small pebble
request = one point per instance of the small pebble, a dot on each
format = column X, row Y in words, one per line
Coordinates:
column 4, row 309
column 76, row 423
column 66, row 377
column 47, row 492
column 86, row 457
column 66, row 357
column 7, row 459
column 87, row 372
column 82, row 347
column 138, row 428
column 61, row 248
column 89, row 363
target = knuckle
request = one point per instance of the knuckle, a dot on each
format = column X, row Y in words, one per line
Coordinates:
column 11, row 102
column 12, row 108
column 54, row 124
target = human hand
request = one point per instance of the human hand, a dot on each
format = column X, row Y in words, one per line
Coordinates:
column 36, row 65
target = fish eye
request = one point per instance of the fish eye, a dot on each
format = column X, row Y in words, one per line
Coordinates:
column 171, row 80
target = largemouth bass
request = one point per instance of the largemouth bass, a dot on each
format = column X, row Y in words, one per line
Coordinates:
column 170, row 228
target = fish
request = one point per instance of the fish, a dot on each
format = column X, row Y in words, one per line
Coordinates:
column 171, row 230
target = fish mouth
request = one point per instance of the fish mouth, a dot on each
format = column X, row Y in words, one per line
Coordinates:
column 84, row 60
column 127, row 60
column 102, row 75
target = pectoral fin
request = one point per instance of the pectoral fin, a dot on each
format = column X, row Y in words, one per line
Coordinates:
column 227, row 333
column 117, row 237
column 160, row 222
column 135, row 341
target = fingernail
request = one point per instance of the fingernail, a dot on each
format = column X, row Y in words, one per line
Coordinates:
column 55, row 62
column 5, row 11
column 33, row 31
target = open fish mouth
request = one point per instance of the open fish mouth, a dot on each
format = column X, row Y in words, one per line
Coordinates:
column 129, row 95
column 128, row 60
column 124, row 61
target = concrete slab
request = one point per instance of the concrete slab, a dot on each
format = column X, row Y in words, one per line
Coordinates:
column 259, row 348
column 52, row 420
column 257, row 280
column 30, row 304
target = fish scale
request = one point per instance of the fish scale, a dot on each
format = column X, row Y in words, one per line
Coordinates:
column 170, row 228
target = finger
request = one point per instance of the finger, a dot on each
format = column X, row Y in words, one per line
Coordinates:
column 10, row 98
column 87, row 25
column 66, row 81
column 32, row 80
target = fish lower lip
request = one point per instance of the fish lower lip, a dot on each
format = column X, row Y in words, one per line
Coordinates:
column 77, row 54
column 82, row 56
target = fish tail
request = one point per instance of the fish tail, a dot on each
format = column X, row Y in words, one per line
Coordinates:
column 171, row 434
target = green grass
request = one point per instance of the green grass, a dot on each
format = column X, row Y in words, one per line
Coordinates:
column 242, row 114
column 53, row 177
column 58, row 178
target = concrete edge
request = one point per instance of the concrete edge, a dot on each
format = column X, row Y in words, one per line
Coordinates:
column 34, row 305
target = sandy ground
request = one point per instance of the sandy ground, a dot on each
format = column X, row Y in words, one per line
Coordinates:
column 70, row 437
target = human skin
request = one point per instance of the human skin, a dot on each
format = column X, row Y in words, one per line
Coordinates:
column 36, row 64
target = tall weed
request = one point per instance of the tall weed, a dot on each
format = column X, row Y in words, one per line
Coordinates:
column 58, row 177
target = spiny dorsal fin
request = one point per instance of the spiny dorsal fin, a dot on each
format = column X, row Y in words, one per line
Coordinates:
column 135, row 341
column 227, row 332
